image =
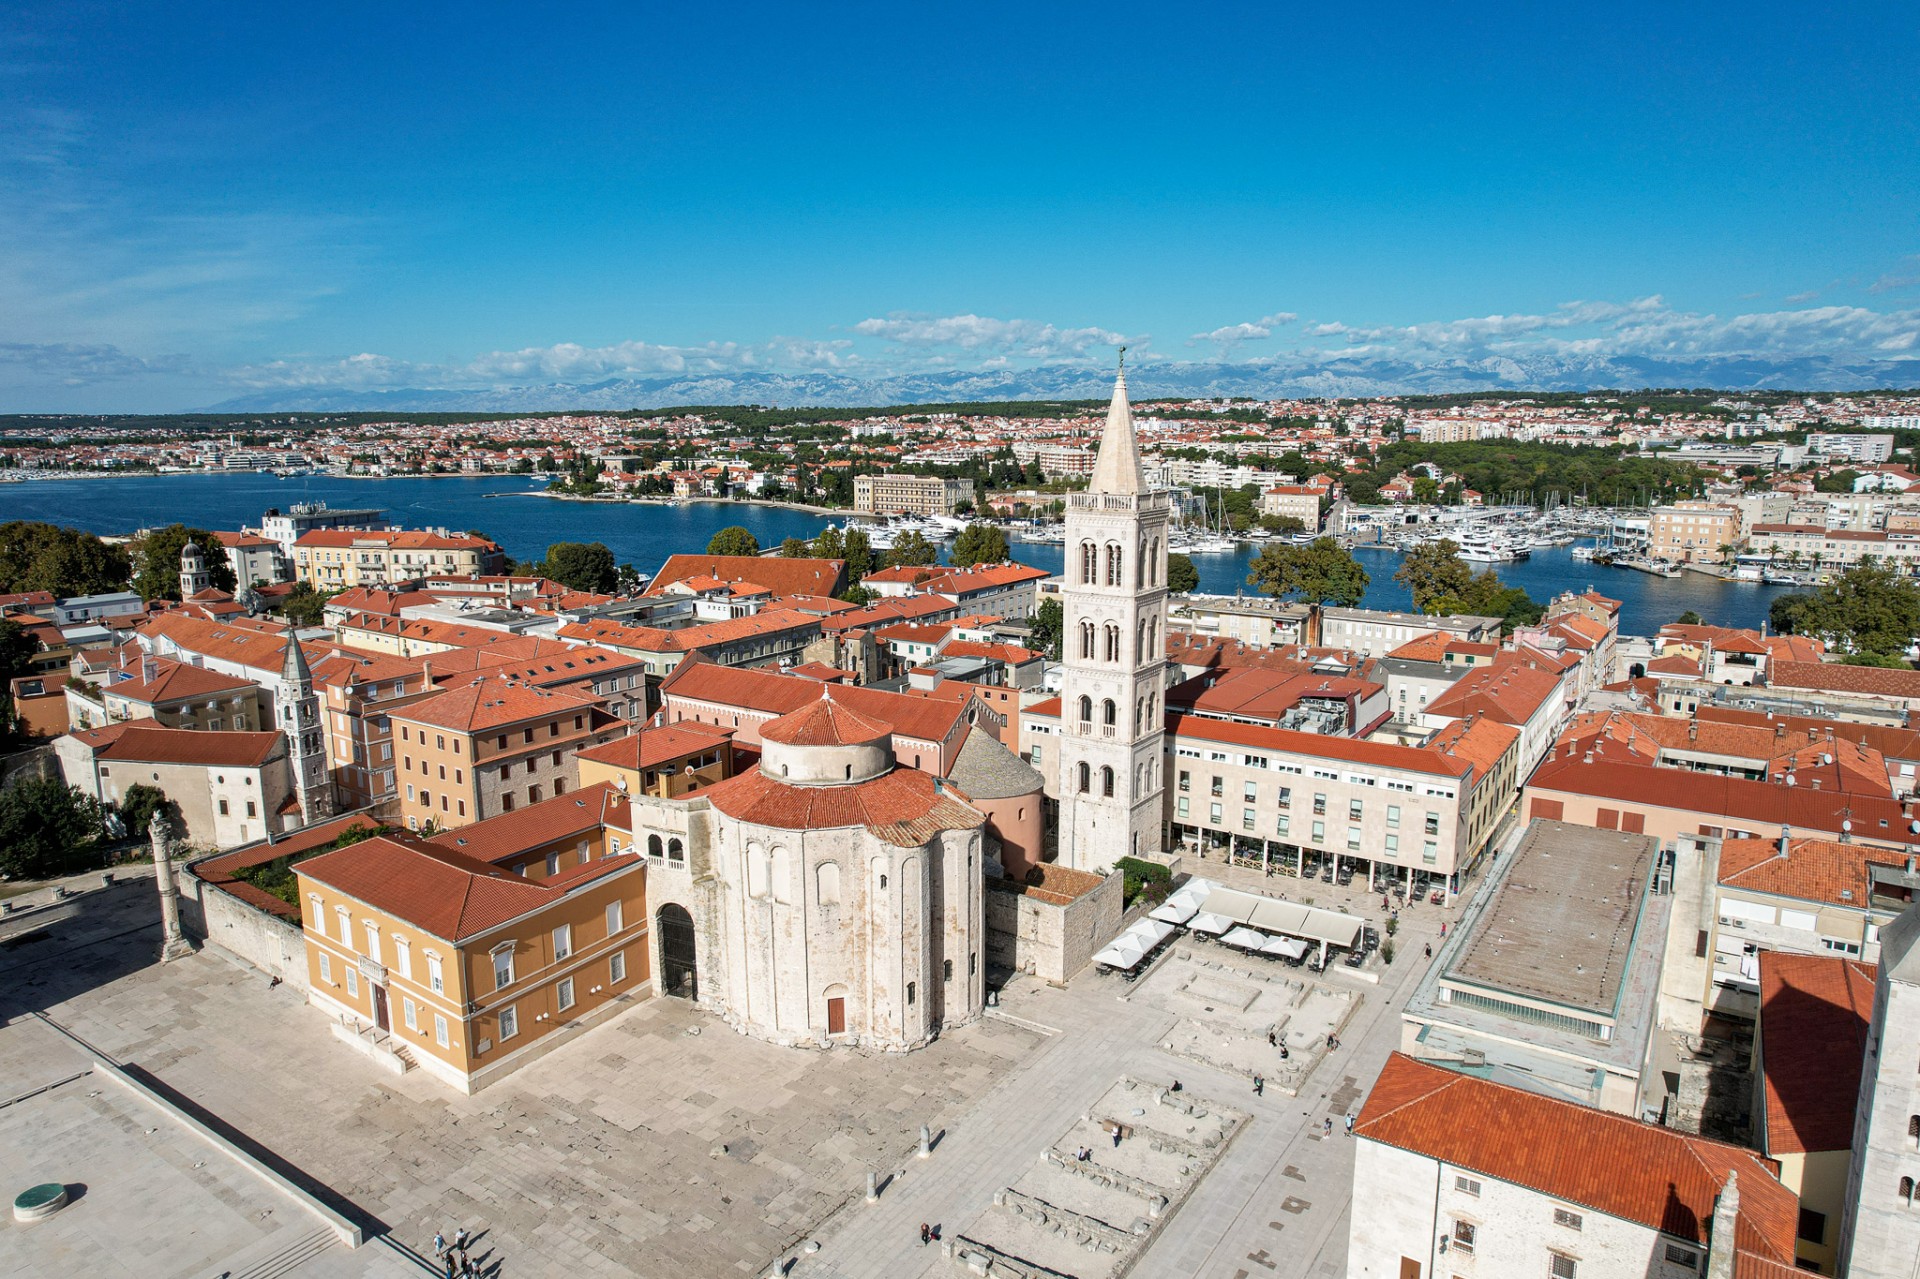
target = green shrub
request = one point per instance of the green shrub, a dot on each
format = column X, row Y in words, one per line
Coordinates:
column 1386, row 952
column 1144, row 877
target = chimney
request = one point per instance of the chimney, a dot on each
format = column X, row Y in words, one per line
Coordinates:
column 1720, row 1241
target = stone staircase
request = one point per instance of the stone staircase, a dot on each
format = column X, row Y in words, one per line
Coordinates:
column 282, row 1258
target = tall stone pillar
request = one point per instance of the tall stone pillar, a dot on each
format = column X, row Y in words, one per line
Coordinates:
column 173, row 944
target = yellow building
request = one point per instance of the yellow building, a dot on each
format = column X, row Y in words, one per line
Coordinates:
column 335, row 559
column 1692, row 532
column 429, row 956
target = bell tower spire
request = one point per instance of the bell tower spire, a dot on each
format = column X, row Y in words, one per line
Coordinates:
column 1118, row 469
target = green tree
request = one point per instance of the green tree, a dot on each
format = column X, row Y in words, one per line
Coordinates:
column 1047, row 622
column 733, row 540
column 47, row 828
column 1426, row 490
column 158, row 554
column 1689, row 618
column 304, row 606
column 582, row 566
column 1871, row 610
column 1321, row 572
column 17, row 647
column 912, row 549
column 831, row 544
column 1182, row 576
column 858, row 554
column 65, row 561
column 795, row 548
column 1435, row 575
column 1488, row 596
column 980, row 544
column 857, row 594
column 138, row 806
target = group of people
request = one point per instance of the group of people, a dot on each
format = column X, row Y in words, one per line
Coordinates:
column 454, row 1255
column 929, row 1234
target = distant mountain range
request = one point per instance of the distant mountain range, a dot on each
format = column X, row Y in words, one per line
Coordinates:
column 1290, row 377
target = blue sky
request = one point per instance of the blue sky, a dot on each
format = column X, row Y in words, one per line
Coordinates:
column 196, row 201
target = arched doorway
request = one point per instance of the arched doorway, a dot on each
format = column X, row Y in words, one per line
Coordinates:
column 679, row 971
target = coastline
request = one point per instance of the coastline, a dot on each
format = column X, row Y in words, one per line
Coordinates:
column 777, row 503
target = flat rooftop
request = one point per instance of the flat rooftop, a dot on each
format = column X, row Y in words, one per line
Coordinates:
column 1561, row 923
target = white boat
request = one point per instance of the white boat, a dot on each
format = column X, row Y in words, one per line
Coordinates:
column 1583, row 553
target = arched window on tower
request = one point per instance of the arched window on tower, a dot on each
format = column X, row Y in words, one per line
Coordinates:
column 1155, row 565
column 1089, row 563
column 1139, row 714
column 1113, row 642
column 1106, row 782
column 1906, row 1190
column 1109, row 713
column 1116, row 564
column 1086, row 709
column 1086, row 640
column 1086, row 775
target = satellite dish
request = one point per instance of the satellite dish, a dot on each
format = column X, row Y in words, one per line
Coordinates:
column 1846, row 826
column 621, row 784
column 1826, row 759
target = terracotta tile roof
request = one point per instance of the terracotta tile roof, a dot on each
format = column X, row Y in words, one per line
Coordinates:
column 175, row 681
column 654, row 746
column 1285, row 740
column 564, row 817
column 648, row 639
column 438, row 890
column 1724, row 639
column 1794, row 648
column 218, row 871
column 1830, row 677
column 1012, row 654
column 244, row 642
column 781, row 576
column 1816, row 870
column 882, row 611
column 907, row 633
column 1512, row 689
column 487, row 703
column 765, row 692
column 823, row 722
column 985, row 577
column 1892, row 742
column 1814, row 1014
column 1674, row 665
column 821, row 671
column 1638, row 1172
column 1734, row 798
column 1482, row 743
column 1257, row 693
column 903, row 807
column 395, row 539
column 145, row 742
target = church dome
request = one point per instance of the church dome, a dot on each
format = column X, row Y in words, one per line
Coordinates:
column 825, row 744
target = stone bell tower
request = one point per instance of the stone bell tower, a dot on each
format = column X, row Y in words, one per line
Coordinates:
column 1113, row 639
column 298, row 708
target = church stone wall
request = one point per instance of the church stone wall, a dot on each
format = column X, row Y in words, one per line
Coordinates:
column 273, row 945
column 1050, row 935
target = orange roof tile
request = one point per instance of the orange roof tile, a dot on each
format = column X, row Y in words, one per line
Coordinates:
column 564, row 817
column 653, row 746
column 149, row 743
column 780, row 575
column 487, row 703
column 1814, row 1013
column 1639, row 1172
column 903, row 807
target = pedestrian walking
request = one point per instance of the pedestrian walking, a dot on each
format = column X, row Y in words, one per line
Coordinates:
column 1328, row 1129
column 439, row 1243
column 1116, row 1139
column 926, row 1234
column 1259, row 1086
column 452, row 1265
column 1176, row 1086
column 460, row 1239
column 1349, row 1123
column 1429, row 950
column 1272, row 1038
column 1443, row 930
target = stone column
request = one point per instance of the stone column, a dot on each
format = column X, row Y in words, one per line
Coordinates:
column 173, row 943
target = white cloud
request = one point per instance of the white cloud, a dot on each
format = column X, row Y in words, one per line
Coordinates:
column 76, row 364
column 1905, row 276
column 1228, row 336
column 1028, row 339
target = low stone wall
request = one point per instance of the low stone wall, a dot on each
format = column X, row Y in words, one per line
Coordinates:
column 268, row 942
column 1051, row 930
